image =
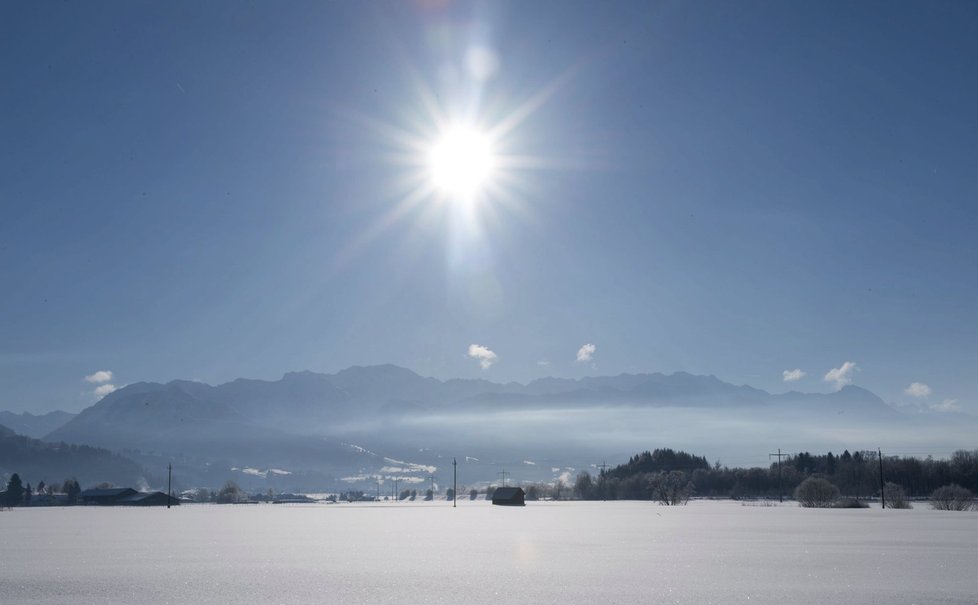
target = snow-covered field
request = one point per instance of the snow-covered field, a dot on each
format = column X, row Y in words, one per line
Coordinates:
column 565, row 552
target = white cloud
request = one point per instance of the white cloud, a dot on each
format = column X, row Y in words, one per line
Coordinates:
column 104, row 389
column 793, row 375
column 485, row 356
column 842, row 375
column 948, row 405
column 917, row 389
column 586, row 352
column 99, row 377
column 543, row 362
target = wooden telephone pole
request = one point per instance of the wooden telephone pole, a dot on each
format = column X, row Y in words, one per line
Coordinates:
column 603, row 466
column 780, row 489
column 454, row 482
column 882, row 485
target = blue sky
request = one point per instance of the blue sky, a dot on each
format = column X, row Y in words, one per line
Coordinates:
column 736, row 189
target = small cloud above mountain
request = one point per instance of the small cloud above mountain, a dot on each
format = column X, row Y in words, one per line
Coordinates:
column 586, row 352
column 917, row 389
column 842, row 375
column 104, row 389
column 948, row 405
column 99, row 377
column 485, row 355
column 103, row 378
column 793, row 375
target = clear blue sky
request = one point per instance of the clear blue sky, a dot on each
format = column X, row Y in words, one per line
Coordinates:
column 724, row 188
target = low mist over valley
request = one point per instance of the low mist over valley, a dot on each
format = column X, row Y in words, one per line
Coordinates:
column 313, row 431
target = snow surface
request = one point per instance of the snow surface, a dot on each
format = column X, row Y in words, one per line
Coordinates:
column 547, row 552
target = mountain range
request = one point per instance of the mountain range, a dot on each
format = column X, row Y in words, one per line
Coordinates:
column 310, row 430
column 34, row 425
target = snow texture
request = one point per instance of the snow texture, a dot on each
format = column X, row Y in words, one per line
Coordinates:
column 564, row 552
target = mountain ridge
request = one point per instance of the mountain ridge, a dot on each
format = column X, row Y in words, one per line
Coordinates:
column 310, row 422
column 35, row 425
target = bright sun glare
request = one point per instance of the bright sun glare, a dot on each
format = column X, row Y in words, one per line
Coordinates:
column 461, row 163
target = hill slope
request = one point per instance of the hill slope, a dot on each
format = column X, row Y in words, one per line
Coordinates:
column 36, row 461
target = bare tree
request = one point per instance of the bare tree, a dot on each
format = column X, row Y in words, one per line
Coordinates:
column 230, row 493
column 583, row 486
column 952, row 497
column 816, row 492
column 895, row 496
column 671, row 488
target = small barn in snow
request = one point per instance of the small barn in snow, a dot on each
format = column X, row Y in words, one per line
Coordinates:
column 509, row 496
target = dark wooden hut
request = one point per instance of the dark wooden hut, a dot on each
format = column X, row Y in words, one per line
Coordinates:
column 509, row 496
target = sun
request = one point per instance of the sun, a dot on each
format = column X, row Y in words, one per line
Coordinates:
column 461, row 163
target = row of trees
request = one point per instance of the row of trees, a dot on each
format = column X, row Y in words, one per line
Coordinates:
column 19, row 494
column 818, row 492
column 857, row 474
column 665, row 474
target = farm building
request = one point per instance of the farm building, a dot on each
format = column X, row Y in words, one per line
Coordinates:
column 509, row 496
column 148, row 499
column 125, row 496
column 106, row 497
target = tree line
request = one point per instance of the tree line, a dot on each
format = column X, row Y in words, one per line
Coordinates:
column 19, row 494
column 668, row 474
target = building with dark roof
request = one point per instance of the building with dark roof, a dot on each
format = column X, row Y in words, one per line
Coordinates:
column 509, row 496
column 106, row 497
column 148, row 499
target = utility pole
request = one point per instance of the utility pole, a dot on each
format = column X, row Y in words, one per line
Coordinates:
column 169, row 489
column 882, row 485
column 503, row 473
column 601, row 470
column 454, row 482
column 378, row 490
column 432, row 478
column 780, row 489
